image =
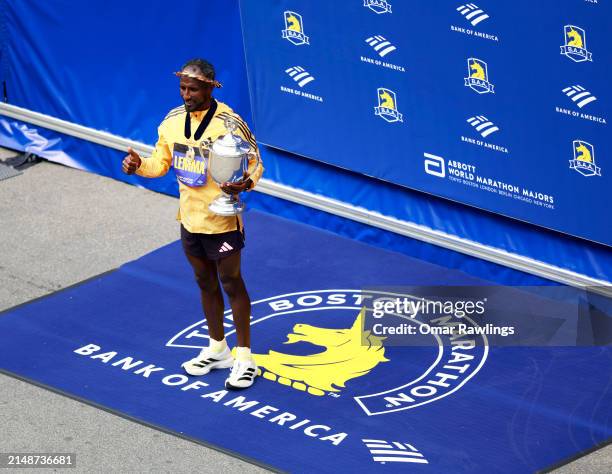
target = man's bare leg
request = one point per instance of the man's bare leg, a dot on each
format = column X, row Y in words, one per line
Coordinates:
column 205, row 271
column 244, row 369
column 217, row 355
column 233, row 285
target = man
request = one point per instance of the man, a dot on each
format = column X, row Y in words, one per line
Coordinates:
column 212, row 243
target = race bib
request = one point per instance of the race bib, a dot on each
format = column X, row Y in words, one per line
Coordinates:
column 189, row 165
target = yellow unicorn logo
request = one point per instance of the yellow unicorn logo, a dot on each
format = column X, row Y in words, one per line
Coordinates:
column 575, row 39
column 293, row 23
column 294, row 29
column 386, row 100
column 478, row 71
column 584, row 154
column 349, row 353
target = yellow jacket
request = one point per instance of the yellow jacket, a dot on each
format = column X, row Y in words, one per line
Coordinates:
column 171, row 148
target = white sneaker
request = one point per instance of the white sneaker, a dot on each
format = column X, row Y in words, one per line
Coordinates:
column 242, row 376
column 205, row 362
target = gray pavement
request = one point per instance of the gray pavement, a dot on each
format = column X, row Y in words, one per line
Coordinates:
column 59, row 226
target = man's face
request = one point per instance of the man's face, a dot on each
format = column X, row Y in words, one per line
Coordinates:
column 196, row 94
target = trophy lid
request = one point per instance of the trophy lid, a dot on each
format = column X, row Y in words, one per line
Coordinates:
column 230, row 144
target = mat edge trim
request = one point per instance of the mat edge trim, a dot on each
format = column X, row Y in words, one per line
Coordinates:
column 575, row 457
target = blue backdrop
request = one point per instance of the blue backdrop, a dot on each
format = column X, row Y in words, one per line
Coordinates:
column 109, row 66
column 513, row 114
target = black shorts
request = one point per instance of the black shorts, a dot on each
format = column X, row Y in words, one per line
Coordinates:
column 212, row 246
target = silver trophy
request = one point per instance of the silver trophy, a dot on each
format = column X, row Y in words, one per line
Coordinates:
column 228, row 162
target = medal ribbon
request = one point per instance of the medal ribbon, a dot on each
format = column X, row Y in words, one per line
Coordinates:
column 205, row 121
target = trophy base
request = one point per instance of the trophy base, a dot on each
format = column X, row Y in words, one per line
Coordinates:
column 224, row 205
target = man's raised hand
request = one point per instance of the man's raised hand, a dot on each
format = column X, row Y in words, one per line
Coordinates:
column 131, row 162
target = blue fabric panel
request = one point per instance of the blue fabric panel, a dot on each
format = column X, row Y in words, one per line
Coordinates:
column 513, row 236
column 479, row 226
column 507, row 414
column 128, row 90
column 4, row 64
column 77, row 153
column 516, row 143
column 387, row 240
column 109, row 64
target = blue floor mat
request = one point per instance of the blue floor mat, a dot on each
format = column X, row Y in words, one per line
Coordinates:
column 117, row 341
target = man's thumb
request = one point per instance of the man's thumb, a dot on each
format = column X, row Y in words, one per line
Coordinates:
column 132, row 152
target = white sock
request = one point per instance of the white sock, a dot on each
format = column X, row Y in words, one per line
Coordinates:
column 243, row 353
column 216, row 347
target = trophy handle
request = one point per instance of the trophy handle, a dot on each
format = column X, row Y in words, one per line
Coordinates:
column 245, row 165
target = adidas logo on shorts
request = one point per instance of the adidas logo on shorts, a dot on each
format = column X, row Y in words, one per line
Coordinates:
column 225, row 247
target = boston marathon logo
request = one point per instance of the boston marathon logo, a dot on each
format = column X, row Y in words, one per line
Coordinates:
column 378, row 6
column 318, row 348
column 478, row 77
column 584, row 159
column 294, row 29
column 575, row 44
column 387, row 106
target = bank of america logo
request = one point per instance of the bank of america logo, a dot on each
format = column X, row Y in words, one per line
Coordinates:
column 478, row 77
column 387, row 106
column 483, row 125
column 579, row 95
column 472, row 13
column 378, row 6
column 584, row 159
column 294, row 29
column 384, row 452
column 380, row 45
column 299, row 75
column 575, row 44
